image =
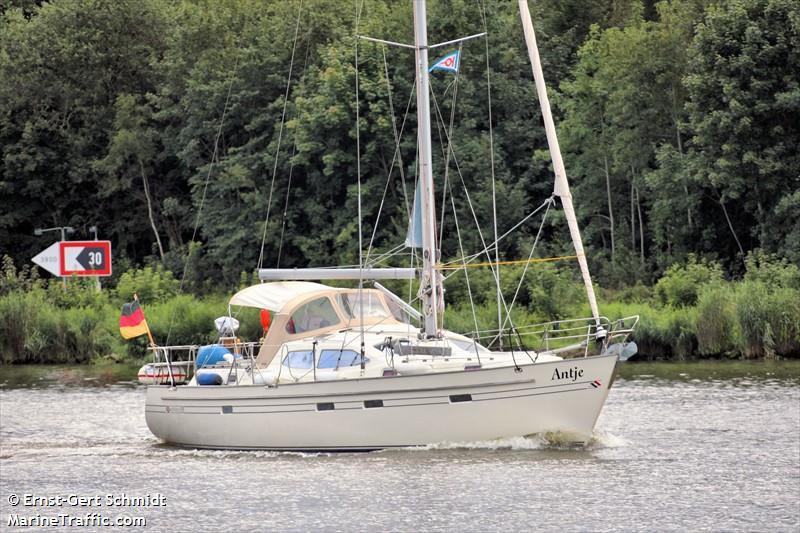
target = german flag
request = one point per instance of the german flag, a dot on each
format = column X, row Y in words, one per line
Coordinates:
column 132, row 323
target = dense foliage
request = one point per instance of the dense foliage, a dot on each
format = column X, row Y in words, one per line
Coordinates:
column 170, row 125
column 160, row 122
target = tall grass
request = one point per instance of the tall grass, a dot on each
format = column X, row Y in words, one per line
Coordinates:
column 662, row 332
column 758, row 317
column 717, row 323
column 33, row 330
column 769, row 319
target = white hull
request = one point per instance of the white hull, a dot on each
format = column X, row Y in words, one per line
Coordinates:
column 417, row 410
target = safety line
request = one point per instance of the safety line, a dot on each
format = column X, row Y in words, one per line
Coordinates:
column 515, row 262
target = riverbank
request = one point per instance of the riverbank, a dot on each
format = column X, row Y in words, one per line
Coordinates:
column 691, row 313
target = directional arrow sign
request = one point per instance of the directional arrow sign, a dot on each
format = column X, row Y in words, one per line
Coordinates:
column 85, row 258
column 50, row 259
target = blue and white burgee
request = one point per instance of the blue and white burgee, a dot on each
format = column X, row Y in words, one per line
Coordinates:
column 449, row 63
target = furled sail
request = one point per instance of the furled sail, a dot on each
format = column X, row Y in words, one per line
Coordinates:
column 561, row 186
column 414, row 235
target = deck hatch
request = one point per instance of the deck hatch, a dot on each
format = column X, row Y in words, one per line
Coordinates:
column 456, row 398
column 369, row 404
column 327, row 406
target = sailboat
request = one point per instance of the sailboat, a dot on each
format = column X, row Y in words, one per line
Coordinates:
column 351, row 369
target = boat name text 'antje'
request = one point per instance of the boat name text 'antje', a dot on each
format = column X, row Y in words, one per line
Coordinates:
column 572, row 374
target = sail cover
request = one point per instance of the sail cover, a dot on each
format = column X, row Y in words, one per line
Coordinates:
column 273, row 296
column 414, row 235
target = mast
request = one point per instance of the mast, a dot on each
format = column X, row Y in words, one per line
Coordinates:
column 561, row 186
column 430, row 282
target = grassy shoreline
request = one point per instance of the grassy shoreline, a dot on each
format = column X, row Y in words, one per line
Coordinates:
column 691, row 313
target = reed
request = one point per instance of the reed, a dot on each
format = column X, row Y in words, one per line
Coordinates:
column 769, row 319
column 662, row 333
column 758, row 317
column 34, row 330
column 717, row 323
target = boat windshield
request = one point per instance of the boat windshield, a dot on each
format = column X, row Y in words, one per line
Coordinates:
column 315, row 314
column 373, row 307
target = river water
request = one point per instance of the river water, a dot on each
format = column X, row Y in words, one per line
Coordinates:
column 677, row 448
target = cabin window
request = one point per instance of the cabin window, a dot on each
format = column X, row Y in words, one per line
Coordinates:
column 457, row 398
column 339, row 358
column 352, row 303
column 316, row 314
column 301, row 359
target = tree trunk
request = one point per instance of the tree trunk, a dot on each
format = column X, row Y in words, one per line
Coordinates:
column 730, row 225
column 610, row 210
column 633, row 221
column 641, row 227
column 680, row 151
column 150, row 210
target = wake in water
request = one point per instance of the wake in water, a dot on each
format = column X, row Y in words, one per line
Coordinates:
column 546, row 441
column 177, row 452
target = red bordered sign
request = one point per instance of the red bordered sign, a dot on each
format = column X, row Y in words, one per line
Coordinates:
column 85, row 258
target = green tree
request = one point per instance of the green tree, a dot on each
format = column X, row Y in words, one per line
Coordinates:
column 131, row 151
column 744, row 113
column 61, row 69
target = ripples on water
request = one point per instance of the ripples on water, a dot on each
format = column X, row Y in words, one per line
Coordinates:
column 668, row 454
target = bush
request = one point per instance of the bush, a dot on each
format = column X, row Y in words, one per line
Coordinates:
column 772, row 271
column 12, row 280
column 553, row 293
column 636, row 294
column 548, row 292
column 78, row 292
column 625, row 270
column 769, row 319
column 481, row 282
column 153, row 285
column 662, row 333
column 185, row 320
column 34, row 329
column 681, row 284
column 458, row 318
